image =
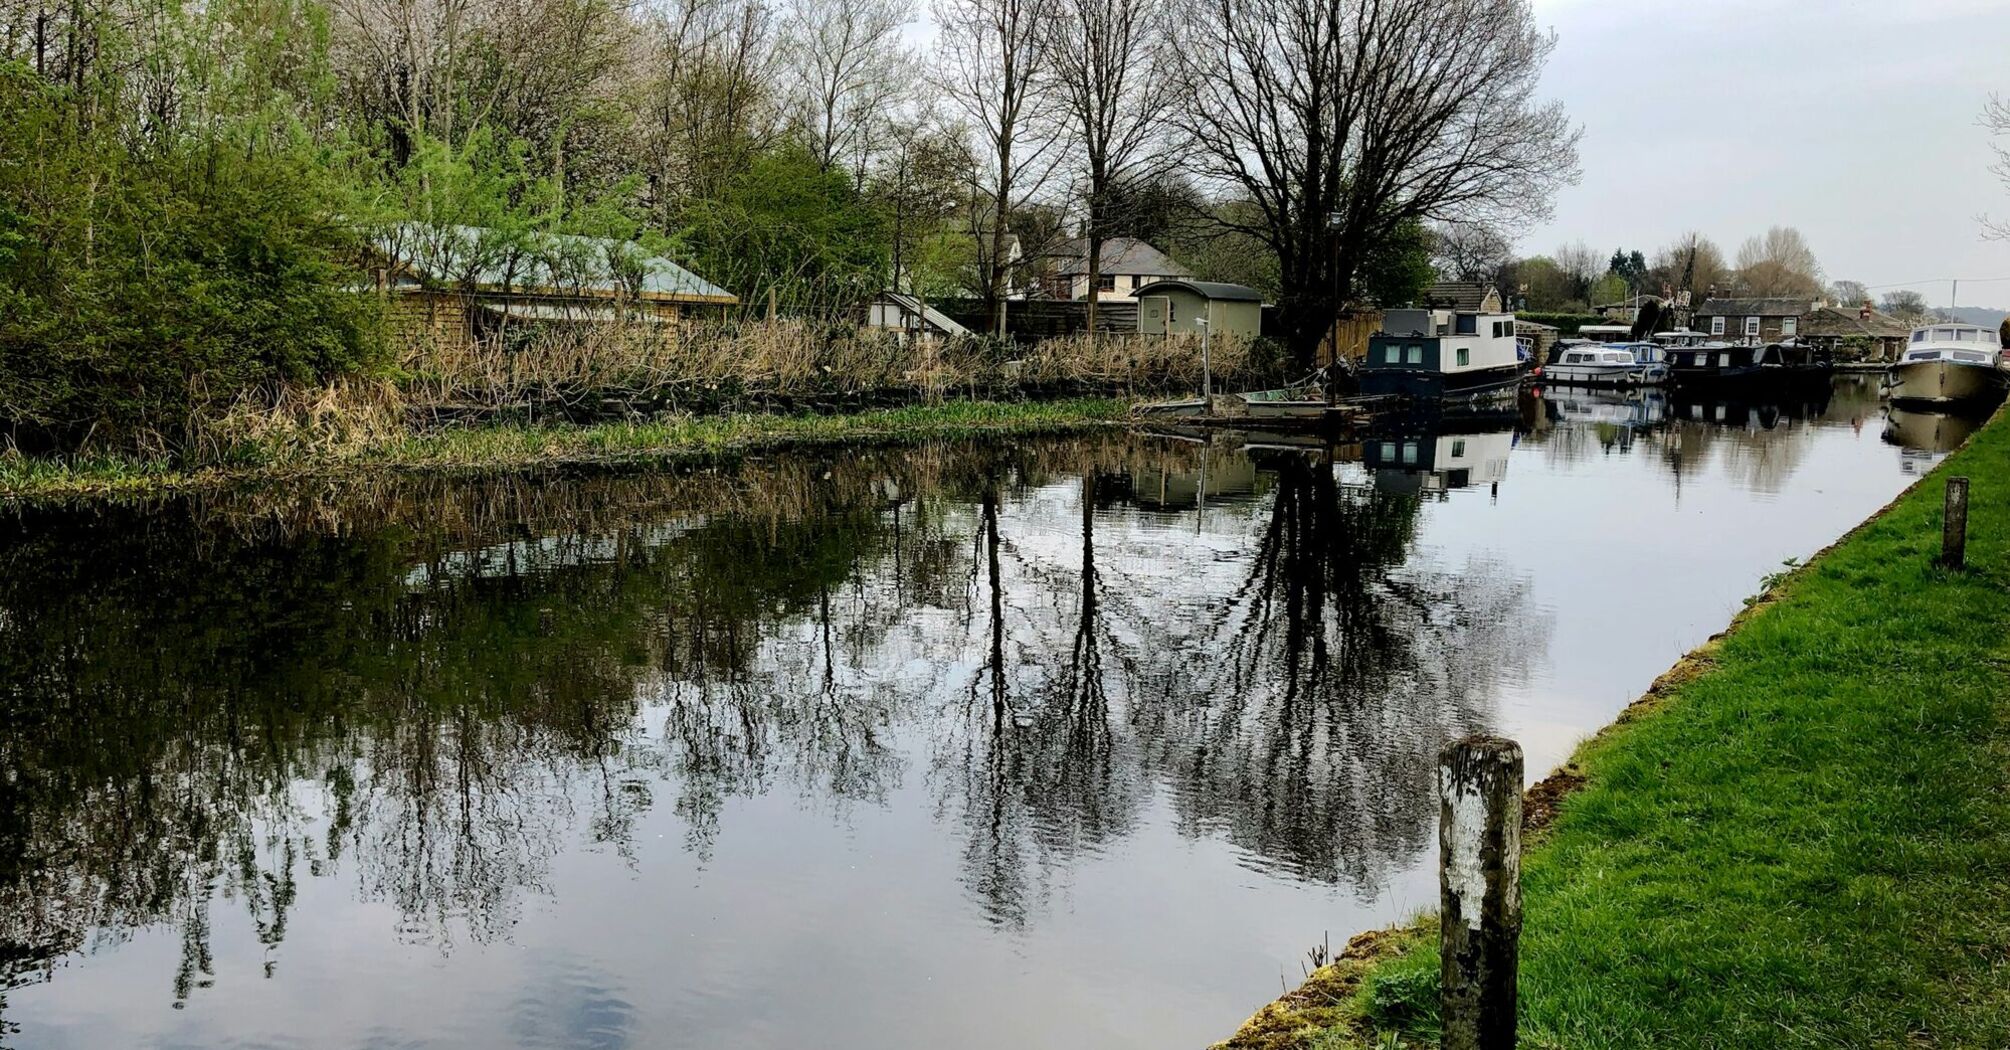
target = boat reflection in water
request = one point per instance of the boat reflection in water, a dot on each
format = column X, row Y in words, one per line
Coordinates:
column 1439, row 459
column 1926, row 437
column 1761, row 411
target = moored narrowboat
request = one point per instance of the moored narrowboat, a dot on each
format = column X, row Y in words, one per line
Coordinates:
column 1442, row 354
column 1771, row 365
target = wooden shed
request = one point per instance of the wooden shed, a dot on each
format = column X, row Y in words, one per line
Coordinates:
column 1169, row 307
column 449, row 284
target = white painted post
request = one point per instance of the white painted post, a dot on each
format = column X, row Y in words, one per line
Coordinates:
column 1479, row 879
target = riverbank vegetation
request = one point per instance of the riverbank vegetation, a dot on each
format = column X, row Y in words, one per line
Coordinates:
column 1799, row 839
column 195, row 198
column 291, row 447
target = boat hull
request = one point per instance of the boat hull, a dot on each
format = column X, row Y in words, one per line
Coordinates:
column 1945, row 382
column 1611, row 376
column 1761, row 376
column 1301, row 410
column 1172, row 409
column 1431, row 384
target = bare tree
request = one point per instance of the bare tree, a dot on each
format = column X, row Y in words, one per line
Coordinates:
column 1691, row 263
column 921, row 182
column 1996, row 118
column 1848, row 294
column 847, row 56
column 990, row 68
column 710, row 100
column 1468, row 251
column 1779, row 263
column 1582, row 265
column 1111, row 81
column 1342, row 121
column 1907, row 305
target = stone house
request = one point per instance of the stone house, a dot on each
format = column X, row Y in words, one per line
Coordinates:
column 1754, row 321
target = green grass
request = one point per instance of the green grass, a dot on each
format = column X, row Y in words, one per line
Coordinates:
column 508, row 446
column 504, row 447
column 1805, row 845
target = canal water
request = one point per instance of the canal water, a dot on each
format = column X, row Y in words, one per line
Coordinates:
column 1063, row 743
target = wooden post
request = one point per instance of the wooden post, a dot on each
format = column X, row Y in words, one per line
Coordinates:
column 1954, row 525
column 1479, row 880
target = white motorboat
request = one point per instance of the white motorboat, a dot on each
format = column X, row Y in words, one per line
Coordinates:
column 1612, row 365
column 1950, row 363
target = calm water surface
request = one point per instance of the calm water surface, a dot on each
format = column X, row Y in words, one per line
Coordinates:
column 1065, row 743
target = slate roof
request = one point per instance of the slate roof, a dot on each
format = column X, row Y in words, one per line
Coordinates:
column 1126, row 255
column 940, row 321
column 1769, row 306
column 551, row 264
column 1234, row 293
column 1457, row 295
column 1829, row 321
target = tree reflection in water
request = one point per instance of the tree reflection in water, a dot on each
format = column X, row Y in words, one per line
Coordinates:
column 431, row 689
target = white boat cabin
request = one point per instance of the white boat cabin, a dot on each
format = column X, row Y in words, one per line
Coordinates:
column 1448, row 341
column 1615, row 357
column 1684, row 337
column 1964, row 343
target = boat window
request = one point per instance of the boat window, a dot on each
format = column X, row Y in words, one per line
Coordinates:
column 1416, row 354
column 1409, row 453
column 1723, row 360
column 1571, row 359
column 1945, row 335
column 1393, row 354
column 1971, row 356
column 1468, row 324
column 1923, row 355
column 1458, row 448
column 1388, row 452
column 1919, row 336
column 1465, row 357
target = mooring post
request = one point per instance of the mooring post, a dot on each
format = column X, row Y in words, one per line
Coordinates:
column 1954, row 525
column 1479, row 879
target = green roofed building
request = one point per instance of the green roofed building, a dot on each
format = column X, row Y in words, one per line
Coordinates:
column 446, row 284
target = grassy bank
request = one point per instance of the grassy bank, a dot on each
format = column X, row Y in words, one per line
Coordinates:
column 501, row 447
column 1800, row 838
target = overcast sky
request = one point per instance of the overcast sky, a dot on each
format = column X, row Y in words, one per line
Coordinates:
column 1854, row 121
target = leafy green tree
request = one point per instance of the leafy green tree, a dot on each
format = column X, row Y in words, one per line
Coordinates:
column 148, row 279
column 789, row 225
column 1399, row 268
column 1629, row 267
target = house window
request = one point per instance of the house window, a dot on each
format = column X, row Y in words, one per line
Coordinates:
column 1465, row 357
column 1751, row 327
column 1790, row 325
column 1106, row 282
column 1716, row 326
column 1416, row 355
column 1459, row 449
